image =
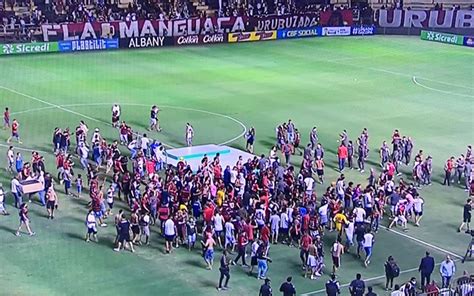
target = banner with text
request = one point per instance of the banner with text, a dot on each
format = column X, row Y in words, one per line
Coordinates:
column 442, row 37
column 395, row 18
column 189, row 27
column 336, row 31
column 144, row 42
column 363, row 30
column 200, row 39
column 252, row 36
column 29, row 48
column 299, row 33
column 88, row 45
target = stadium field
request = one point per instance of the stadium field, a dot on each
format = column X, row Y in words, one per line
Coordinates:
column 424, row 89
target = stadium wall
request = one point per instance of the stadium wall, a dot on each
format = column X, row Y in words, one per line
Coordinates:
column 74, row 37
column 78, row 45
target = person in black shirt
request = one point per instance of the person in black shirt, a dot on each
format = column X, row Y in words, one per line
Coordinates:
column 357, row 286
column 225, row 272
column 370, row 292
column 287, row 288
column 426, row 268
column 332, row 286
column 265, row 289
column 466, row 216
column 389, row 273
column 124, row 235
column 359, row 232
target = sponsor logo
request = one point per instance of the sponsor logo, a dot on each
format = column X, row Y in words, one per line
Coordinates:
column 396, row 18
column 337, row 31
column 187, row 40
column 142, row 42
column 469, row 41
column 299, row 33
column 363, row 30
column 215, row 38
column 24, row 48
column 87, row 45
column 441, row 37
column 252, row 36
column 8, row 49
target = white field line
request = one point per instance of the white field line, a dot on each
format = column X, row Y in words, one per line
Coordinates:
column 63, row 107
column 49, row 104
column 24, row 149
column 424, row 243
column 339, row 61
column 439, row 249
column 244, row 128
column 367, row 280
column 439, row 90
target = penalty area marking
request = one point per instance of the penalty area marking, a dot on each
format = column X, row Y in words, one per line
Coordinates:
column 439, row 90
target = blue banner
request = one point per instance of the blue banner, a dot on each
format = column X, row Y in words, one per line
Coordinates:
column 88, row 45
column 363, row 30
column 468, row 41
column 299, row 33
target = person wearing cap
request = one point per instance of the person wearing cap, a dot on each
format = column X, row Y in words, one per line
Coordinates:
column 265, row 289
column 287, row 288
column 332, row 286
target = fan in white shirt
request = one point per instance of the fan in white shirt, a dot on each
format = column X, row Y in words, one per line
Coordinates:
column 359, row 215
column 229, row 235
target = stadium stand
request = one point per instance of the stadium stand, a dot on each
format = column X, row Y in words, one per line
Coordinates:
column 20, row 20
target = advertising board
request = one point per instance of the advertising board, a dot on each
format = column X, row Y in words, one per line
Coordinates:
column 29, row 48
column 299, row 33
column 88, row 45
column 252, row 36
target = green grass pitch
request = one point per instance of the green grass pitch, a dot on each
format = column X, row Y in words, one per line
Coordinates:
column 333, row 83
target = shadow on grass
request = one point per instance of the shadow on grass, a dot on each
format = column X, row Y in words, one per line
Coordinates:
column 195, row 263
column 6, row 229
column 208, row 284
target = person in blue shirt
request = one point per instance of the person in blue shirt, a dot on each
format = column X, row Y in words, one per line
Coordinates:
column 197, row 208
column 227, row 176
column 357, row 286
column 18, row 162
column 332, row 286
column 287, row 288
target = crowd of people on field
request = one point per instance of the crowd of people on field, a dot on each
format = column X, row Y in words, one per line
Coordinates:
column 246, row 208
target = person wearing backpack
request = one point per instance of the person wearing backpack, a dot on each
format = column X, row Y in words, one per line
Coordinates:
column 357, row 286
column 391, row 271
column 332, row 286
